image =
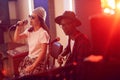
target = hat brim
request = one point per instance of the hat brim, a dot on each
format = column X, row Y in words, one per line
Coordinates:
column 75, row 20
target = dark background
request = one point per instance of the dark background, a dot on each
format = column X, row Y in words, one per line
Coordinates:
column 4, row 17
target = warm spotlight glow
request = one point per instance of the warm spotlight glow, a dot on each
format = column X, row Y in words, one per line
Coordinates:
column 110, row 5
column 106, row 10
column 112, row 12
column 109, row 11
column 118, row 5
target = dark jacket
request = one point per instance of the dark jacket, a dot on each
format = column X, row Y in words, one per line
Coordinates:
column 81, row 49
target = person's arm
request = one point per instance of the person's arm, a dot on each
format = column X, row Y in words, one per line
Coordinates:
column 41, row 54
column 18, row 35
column 40, row 57
column 61, row 56
column 66, row 51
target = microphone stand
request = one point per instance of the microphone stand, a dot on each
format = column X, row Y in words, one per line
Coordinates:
column 48, row 56
column 52, row 52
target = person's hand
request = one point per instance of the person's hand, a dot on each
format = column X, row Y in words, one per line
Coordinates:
column 29, row 68
column 60, row 59
column 94, row 58
column 22, row 23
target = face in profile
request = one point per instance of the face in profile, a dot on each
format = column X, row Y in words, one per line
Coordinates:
column 34, row 20
column 67, row 26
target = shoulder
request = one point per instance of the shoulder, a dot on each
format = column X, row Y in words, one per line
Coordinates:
column 83, row 39
column 81, row 36
column 43, row 31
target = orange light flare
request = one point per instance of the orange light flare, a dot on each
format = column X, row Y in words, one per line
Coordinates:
column 109, row 11
column 111, row 8
column 113, row 30
column 108, row 6
column 118, row 6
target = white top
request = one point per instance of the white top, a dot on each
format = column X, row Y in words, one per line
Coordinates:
column 35, row 38
column 72, row 44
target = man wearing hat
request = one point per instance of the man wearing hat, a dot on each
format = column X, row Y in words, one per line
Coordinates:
column 78, row 47
column 81, row 46
column 79, row 51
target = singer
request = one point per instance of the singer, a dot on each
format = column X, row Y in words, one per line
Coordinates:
column 37, row 37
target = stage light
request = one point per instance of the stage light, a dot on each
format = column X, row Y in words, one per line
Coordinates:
column 118, row 6
column 110, row 6
column 108, row 11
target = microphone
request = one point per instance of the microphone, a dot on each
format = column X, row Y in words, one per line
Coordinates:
column 24, row 22
column 55, row 40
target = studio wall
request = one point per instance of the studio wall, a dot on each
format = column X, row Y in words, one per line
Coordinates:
column 84, row 10
column 4, row 19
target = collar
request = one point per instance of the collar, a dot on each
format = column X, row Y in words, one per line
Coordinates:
column 76, row 35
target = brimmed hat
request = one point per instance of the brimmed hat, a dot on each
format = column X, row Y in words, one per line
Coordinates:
column 68, row 15
column 40, row 11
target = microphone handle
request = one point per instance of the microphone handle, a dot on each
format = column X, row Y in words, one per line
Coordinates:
column 24, row 22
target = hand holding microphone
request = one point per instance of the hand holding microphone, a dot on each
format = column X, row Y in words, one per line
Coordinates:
column 21, row 23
